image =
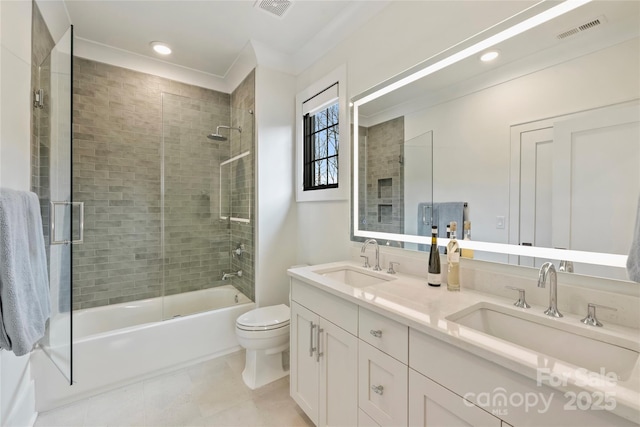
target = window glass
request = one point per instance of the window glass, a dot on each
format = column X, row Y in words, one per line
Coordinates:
column 321, row 143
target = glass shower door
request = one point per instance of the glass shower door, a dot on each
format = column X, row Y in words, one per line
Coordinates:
column 54, row 139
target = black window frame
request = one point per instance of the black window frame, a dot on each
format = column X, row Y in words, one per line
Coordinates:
column 309, row 149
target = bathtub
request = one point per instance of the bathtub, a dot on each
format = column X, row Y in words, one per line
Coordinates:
column 124, row 343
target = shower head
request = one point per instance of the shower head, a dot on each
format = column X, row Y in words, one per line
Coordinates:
column 217, row 137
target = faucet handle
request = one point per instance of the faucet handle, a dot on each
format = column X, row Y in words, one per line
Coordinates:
column 522, row 302
column 566, row 266
column 591, row 318
column 391, row 270
column 366, row 261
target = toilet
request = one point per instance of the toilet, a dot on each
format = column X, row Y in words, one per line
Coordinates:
column 264, row 333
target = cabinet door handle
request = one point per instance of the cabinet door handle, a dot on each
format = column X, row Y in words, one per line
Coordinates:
column 311, row 347
column 376, row 334
column 378, row 389
column 319, row 337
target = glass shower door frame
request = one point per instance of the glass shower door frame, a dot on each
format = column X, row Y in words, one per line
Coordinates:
column 58, row 342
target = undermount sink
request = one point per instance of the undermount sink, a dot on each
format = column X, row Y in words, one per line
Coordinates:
column 354, row 277
column 552, row 338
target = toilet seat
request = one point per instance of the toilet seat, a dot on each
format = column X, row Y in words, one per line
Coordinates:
column 265, row 318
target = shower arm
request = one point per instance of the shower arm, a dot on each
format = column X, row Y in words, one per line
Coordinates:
column 239, row 129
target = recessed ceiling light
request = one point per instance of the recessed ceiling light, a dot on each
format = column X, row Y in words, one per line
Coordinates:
column 161, row 48
column 489, row 56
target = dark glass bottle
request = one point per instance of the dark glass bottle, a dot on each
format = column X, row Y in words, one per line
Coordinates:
column 453, row 260
column 448, row 236
column 434, row 277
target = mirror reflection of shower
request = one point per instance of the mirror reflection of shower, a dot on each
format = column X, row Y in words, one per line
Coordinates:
column 218, row 137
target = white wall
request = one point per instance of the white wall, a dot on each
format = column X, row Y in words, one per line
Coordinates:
column 405, row 33
column 275, row 177
column 17, row 400
column 15, row 87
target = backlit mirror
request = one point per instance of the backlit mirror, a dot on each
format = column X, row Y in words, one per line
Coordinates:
column 539, row 149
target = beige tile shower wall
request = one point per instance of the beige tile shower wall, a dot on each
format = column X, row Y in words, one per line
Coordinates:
column 385, row 203
column 117, row 143
column 196, row 241
column 362, row 178
column 42, row 43
column 243, row 183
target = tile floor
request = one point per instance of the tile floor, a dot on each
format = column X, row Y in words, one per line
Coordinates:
column 208, row 394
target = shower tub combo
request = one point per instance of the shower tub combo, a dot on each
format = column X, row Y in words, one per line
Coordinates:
column 124, row 343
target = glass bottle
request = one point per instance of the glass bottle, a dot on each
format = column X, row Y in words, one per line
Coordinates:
column 434, row 277
column 453, row 260
column 467, row 253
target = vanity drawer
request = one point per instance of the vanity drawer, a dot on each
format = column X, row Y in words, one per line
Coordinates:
column 385, row 334
column 430, row 404
column 364, row 420
column 339, row 311
column 382, row 386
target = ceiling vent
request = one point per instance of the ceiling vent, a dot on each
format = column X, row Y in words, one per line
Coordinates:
column 274, row 7
column 580, row 28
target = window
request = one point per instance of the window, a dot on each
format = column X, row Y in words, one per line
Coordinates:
column 321, row 143
column 322, row 140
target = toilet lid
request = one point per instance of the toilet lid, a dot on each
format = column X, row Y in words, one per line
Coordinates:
column 271, row 317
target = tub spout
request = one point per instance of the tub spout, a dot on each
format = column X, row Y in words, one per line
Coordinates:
column 227, row 276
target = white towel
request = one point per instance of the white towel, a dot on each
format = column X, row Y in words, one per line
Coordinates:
column 633, row 262
column 24, row 284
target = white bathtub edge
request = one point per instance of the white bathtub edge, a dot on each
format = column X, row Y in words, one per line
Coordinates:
column 165, row 347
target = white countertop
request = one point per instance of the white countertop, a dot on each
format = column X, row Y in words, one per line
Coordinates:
column 409, row 300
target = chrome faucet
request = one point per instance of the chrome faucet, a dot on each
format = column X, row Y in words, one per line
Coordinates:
column 375, row 244
column 548, row 269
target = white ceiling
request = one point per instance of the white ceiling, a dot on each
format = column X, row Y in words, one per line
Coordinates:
column 209, row 35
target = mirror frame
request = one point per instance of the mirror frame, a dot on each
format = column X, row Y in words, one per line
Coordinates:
column 513, row 26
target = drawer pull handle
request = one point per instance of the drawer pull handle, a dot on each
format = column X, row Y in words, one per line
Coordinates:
column 311, row 347
column 378, row 389
column 319, row 337
column 376, row 334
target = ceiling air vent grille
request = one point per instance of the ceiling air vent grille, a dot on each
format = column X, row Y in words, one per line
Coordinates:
column 586, row 26
column 274, row 7
column 568, row 33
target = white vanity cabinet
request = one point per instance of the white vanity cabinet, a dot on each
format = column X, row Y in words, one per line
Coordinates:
column 353, row 366
column 382, row 386
column 382, row 369
column 503, row 392
column 324, row 357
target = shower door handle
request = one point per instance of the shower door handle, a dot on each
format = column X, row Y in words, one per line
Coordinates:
column 311, row 347
column 52, row 223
